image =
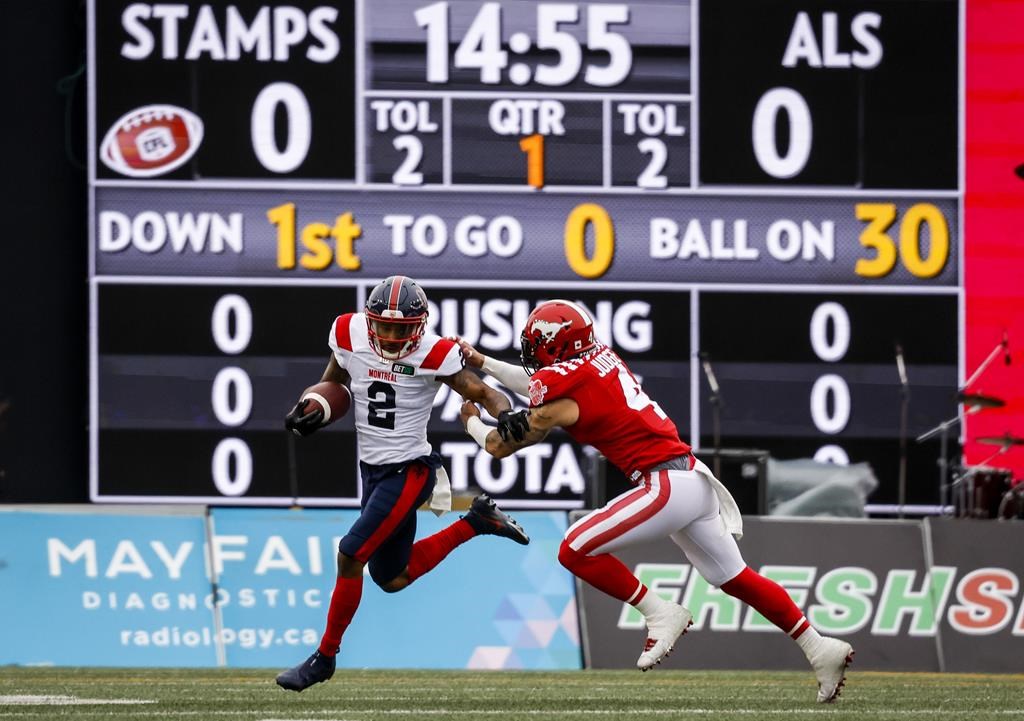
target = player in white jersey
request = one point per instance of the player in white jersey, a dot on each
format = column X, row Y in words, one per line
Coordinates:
column 393, row 367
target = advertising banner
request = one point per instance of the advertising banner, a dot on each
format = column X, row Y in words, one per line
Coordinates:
column 869, row 582
column 861, row 580
column 490, row 604
column 117, row 589
column 983, row 625
column 104, row 589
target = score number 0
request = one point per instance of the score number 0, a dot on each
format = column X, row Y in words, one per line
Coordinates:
column 231, row 381
column 830, row 386
column 262, row 130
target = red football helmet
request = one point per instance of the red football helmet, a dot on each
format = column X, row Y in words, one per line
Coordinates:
column 396, row 315
column 555, row 331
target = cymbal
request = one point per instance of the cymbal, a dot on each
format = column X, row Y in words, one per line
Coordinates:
column 979, row 401
column 1004, row 440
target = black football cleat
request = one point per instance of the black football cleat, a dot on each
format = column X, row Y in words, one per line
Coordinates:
column 486, row 518
column 315, row 669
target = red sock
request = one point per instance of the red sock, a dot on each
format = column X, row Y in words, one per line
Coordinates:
column 769, row 599
column 430, row 551
column 604, row 572
column 344, row 602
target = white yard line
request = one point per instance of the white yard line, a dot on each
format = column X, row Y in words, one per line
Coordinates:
column 27, row 700
column 356, row 714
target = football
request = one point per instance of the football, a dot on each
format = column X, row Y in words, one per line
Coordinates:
column 334, row 398
column 151, row 140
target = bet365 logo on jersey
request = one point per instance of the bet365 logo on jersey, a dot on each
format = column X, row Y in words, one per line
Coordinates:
column 403, row 369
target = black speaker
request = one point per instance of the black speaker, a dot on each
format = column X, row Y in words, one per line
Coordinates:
column 744, row 471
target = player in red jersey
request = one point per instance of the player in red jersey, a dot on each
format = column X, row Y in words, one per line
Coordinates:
column 578, row 384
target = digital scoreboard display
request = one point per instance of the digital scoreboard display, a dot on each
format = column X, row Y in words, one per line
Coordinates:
column 770, row 186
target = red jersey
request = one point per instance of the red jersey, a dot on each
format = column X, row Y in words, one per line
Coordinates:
column 616, row 416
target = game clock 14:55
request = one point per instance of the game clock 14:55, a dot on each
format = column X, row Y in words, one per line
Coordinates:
column 481, row 48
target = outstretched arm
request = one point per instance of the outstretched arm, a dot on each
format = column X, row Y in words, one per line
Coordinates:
column 471, row 387
column 560, row 413
column 513, row 377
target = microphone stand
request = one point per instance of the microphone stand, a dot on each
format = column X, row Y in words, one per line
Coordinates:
column 904, row 404
column 943, row 428
column 1004, row 347
column 716, row 411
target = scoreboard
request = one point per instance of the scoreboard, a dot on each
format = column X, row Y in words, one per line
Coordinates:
column 771, row 187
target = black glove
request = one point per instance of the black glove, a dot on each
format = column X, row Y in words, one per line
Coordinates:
column 300, row 424
column 513, row 425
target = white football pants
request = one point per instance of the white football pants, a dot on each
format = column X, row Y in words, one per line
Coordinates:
column 679, row 504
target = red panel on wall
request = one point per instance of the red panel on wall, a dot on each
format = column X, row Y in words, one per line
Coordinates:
column 994, row 224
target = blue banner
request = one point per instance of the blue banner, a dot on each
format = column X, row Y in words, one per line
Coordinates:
column 103, row 589
column 112, row 589
column 491, row 604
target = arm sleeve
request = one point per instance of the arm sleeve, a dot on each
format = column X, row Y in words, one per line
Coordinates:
column 513, row 377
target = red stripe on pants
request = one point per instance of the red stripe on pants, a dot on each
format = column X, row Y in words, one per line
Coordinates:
column 634, row 496
column 664, row 491
column 415, row 479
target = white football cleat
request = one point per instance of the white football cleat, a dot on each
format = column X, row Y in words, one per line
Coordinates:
column 829, row 662
column 664, row 628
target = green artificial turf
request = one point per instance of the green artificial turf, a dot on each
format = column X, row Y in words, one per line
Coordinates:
column 465, row 695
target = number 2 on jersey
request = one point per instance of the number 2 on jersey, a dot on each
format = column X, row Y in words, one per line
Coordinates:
column 381, row 413
column 635, row 396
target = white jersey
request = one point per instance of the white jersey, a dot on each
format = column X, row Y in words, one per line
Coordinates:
column 392, row 399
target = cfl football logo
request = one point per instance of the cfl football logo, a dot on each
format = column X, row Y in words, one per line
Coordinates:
column 151, row 140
